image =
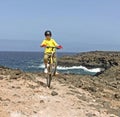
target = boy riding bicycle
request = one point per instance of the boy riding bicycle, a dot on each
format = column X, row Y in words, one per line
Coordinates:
column 49, row 42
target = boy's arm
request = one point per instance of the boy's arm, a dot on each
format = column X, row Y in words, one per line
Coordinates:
column 43, row 44
column 57, row 45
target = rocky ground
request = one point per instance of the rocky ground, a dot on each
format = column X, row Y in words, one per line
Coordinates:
column 26, row 95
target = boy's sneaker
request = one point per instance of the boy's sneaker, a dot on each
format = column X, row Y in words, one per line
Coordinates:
column 56, row 73
column 45, row 70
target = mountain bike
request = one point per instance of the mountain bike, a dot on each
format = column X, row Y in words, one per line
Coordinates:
column 51, row 65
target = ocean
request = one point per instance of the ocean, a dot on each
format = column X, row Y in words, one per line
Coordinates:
column 33, row 62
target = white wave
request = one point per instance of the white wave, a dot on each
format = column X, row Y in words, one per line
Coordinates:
column 96, row 70
column 79, row 67
column 70, row 68
column 41, row 66
column 35, row 66
column 32, row 66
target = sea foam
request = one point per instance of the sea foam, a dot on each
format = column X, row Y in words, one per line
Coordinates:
column 95, row 70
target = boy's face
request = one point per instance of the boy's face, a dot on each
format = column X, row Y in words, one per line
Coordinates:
column 48, row 37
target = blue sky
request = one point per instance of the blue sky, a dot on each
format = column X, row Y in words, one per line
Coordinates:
column 78, row 25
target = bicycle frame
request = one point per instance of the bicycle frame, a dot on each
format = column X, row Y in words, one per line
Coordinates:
column 51, row 63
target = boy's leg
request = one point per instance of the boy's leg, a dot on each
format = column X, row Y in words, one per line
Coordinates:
column 45, row 62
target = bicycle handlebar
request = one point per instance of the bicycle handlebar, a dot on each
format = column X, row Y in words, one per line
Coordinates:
column 57, row 47
column 50, row 47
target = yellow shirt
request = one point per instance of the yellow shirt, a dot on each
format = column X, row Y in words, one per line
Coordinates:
column 50, row 42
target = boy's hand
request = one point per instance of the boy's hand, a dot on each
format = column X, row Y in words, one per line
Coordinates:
column 43, row 45
column 59, row 47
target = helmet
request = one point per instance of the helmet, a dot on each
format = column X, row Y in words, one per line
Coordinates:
column 48, row 33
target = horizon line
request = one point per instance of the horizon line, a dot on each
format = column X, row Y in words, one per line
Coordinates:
column 63, row 51
column 33, row 51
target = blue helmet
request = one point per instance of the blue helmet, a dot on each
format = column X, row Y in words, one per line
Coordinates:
column 48, row 33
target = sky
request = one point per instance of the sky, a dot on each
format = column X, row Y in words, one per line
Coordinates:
column 77, row 25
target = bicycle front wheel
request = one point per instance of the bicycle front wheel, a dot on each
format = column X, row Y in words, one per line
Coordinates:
column 49, row 76
column 49, row 80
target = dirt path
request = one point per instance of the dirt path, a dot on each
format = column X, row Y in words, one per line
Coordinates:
column 25, row 98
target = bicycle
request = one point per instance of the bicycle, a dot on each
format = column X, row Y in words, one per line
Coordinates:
column 51, row 65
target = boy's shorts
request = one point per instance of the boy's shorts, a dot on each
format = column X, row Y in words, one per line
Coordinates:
column 46, row 57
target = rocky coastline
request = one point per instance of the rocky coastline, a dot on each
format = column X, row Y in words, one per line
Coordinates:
column 91, row 59
column 25, row 94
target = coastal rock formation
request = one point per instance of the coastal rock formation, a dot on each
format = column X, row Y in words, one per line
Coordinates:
column 92, row 59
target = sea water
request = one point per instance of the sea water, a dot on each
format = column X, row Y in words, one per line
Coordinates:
column 33, row 62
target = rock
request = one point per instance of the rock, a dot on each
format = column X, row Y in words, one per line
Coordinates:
column 82, row 98
column 90, row 115
column 118, row 78
column 34, row 111
column 19, row 102
column 79, row 84
column 5, row 104
column 16, row 95
column 71, row 87
column 115, row 112
column 91, row 89
column 32, row 86
column 18, row 72
column 13, row 87
column 7, row 100
column 1, row 99
column 54, row 93
column 117, row 96
column 1, row 78
column 18, row 87
column 42, row 101
column 13, row 76
column 106, row 105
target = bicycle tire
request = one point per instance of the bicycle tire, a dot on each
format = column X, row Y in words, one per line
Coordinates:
column 49, row 76
column 54, row 69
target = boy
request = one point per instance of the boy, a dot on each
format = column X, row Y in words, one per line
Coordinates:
column 48, row 41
